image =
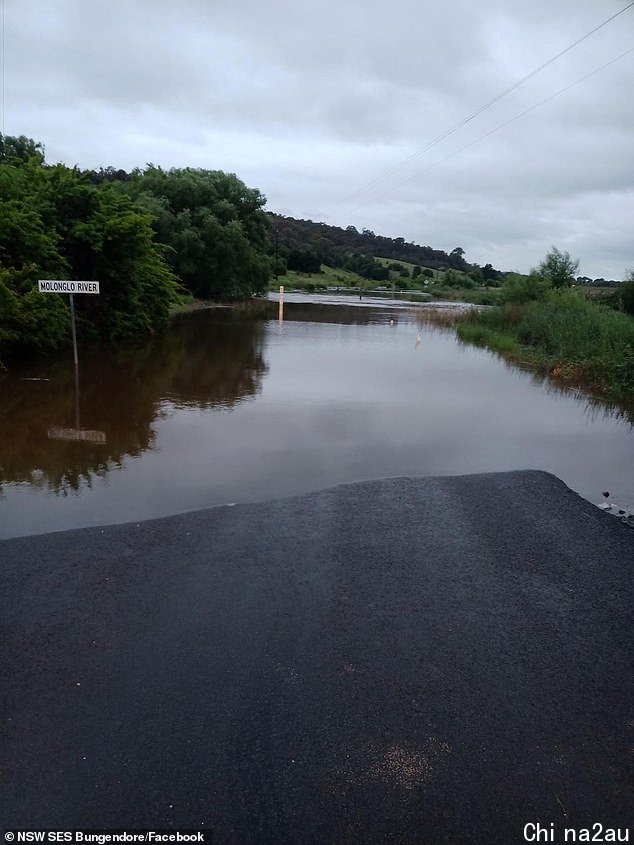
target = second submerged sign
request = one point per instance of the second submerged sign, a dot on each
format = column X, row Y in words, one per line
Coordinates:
column 60, row 286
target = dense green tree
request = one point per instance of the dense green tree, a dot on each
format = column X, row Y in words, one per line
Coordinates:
column 55, row 223
column 558, row 269
column 456, row 258
column 475, row 273
column 214, row 226
column 19, row 150
column 115, row 245
column 490, row 274
column 367, row 267
column 29, row 249
column 25, row 242
column 454, row 279
column 520, row 289
column 303, row 260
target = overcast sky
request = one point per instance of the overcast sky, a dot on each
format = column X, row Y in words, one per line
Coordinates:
column 314, row 102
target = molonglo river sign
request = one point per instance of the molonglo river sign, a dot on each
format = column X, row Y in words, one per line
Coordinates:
column 61, row 286
column 65, row 286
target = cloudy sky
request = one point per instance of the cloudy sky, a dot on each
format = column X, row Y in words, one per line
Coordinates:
column 333, row 109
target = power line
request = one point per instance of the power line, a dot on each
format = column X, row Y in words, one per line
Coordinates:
column 506, row 123
column 3, row 64
column 411, row 158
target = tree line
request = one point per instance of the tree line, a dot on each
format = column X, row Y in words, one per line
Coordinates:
column 149, row 237
column 304, row 245
column 332, row 245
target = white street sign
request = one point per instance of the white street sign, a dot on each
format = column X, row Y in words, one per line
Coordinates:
column 61, row 286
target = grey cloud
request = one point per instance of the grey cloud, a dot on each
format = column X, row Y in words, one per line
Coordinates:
column 310, row 102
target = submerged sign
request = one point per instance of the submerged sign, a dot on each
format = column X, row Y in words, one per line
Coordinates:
column 58, row 433
column 61, row 286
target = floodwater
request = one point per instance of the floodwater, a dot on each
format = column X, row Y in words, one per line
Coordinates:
column 232, row 405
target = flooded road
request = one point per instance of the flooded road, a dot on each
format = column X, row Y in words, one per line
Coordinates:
column 233, row 406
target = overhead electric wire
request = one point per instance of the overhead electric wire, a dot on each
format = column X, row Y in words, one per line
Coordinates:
column 506, row 123
column 411, row 158
column 3, row 66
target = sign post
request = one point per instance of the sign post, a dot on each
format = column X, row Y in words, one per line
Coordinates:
column 71, row 288
column 62, row 286
column 72, row 328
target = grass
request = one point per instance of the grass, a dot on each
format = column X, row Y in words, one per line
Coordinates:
column 573, row 339
column 336, row 277
column 472, row 332
column 476, row 296
column 329, row 277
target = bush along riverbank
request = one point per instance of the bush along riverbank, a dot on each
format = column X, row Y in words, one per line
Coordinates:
column 153, row 239
column 562, row 333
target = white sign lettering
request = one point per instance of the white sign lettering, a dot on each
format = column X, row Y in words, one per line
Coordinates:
column 61, row 286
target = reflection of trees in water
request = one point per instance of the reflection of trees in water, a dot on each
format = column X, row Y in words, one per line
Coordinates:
column 206, row 360
column 29, row 408
column 212, row 360
column 594, row 407
column 336, row 312
column 438, row 317
column 349, row 315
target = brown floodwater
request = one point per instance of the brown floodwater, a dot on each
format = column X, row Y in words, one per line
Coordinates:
column 230, row 405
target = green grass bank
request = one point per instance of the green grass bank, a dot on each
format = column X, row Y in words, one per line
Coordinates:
column 573, row 339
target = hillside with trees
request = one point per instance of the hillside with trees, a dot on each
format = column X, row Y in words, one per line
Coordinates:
column 331, row 244
column 304, row 245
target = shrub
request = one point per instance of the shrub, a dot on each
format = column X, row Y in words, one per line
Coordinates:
column 564, row 331
column 626, row 295
column 522, row 289
column 570, row 327
column 558, row 269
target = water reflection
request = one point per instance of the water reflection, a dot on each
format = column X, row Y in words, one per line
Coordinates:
column 211, row 360
column 595, row 407
column 230, row 405
column 202, row 362
column 335, row 310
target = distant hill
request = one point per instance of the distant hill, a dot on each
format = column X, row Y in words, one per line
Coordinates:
column 331, row 244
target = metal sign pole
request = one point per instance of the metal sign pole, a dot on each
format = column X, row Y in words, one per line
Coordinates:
column 76, row 358
column 72, row 325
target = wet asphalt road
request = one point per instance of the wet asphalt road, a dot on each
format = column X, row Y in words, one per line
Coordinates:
column 407, row 660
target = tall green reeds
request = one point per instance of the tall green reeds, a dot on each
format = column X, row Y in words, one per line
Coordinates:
column 571, row 336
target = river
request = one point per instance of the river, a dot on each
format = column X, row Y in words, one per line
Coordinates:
column 232, row 405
